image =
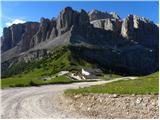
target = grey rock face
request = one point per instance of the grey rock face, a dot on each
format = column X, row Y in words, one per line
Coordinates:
column 54, row 32
column 108, row 24
column 18, row 33
column 26, row 57
column 83, row 18
column 69, row 17
column 115, row 15
column 66, row 19
column 32, row 55
column 6, row 39
column 11, row 36
column 29, row 31
column 95, row 15
column 43, row 31
column 140, row 30
column 135, row 60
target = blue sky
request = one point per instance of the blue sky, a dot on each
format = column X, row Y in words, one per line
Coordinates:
column 13, row 12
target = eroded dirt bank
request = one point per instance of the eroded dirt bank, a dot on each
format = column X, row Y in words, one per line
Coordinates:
column 115, row 106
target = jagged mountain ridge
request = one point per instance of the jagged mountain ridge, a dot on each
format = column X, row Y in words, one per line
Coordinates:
column 117, row 44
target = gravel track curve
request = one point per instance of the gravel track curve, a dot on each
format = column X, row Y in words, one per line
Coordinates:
column 41, row 102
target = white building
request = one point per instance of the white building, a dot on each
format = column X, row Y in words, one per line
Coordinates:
column 86, row 73
column 91, row 73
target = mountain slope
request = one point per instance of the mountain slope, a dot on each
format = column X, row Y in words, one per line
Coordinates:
column 61, row 58
column 128, row 46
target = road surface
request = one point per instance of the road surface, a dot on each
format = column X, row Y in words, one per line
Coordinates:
column 41, row 102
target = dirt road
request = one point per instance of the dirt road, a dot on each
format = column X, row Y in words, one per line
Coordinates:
column 40, row 102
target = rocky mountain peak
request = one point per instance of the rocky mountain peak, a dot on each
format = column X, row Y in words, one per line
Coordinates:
column 65, row 20
column 96, row 14
column 108, row 24
column 69, row 17
column 125, row 44
column 140, row 30
column 42, row 20
column 83, row 17
column 66, row 9
column 93, row 11
column 115, row 15
column 137, row 19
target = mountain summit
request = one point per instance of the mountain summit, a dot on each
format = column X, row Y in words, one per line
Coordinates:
column 128, row 46
column 96, row 14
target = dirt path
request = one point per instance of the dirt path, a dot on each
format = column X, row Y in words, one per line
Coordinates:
column 41, row 102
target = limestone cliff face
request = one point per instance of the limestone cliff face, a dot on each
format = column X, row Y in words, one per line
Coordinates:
column 19, row 34
column 96, row 14
column 30, row 30
column 108, row 24
column 43, row 32
column 129, row 45
column 140, row 30
column 30, row 34
column 69, row 18
column 6, row 40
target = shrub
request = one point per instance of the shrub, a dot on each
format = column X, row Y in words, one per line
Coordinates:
column 19, row 85
column 11, row 85
column 31, row 83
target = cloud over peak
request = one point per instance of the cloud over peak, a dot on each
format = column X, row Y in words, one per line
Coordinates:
column 15, row 21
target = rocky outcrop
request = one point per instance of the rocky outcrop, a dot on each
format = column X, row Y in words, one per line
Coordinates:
column 66, row 19
column 140, row 30
column 95, row 15
column 24, row 57
column 30, row 29
column 130, row 60
column 69, row 18
column 18, row 35
column 53, row 32
column 11, row 36
column 6, row 42
column 43, row 32
column 108, row 24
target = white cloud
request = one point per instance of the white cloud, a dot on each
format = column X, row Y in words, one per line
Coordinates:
column 15, row 21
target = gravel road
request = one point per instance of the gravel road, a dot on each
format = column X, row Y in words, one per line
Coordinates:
column 41, row 102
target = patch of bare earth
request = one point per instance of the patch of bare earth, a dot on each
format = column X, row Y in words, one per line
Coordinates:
column 114, row 106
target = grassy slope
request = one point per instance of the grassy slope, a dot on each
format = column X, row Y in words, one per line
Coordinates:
column 109, row 77
column 24, row 73
column 32, row 79
column 62, row 59
column 142, row 85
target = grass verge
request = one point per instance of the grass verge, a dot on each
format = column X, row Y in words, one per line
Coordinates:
column 142, row 85
column 109, row 77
